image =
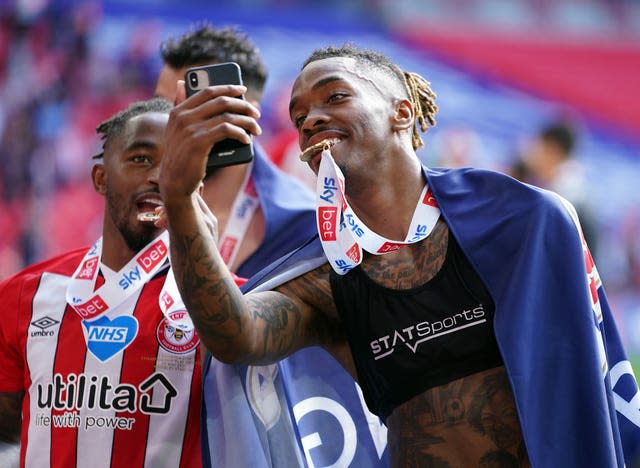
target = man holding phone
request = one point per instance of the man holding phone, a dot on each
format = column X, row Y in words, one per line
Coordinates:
column 306, row 403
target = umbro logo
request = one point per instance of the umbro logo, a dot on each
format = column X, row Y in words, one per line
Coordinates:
column 44, row 323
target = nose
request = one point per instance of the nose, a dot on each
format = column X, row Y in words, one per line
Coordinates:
column 314, row 119
column 153, row 175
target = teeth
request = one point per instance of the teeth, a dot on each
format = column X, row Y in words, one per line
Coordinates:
column 306, row 155
column 153, row 201
column 148, row 216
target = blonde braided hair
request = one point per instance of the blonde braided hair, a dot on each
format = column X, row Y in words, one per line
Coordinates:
column 423, row 100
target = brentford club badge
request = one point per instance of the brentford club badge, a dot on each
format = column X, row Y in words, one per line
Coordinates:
column 176, row 338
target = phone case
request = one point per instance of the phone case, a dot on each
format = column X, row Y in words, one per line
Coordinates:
column 229, row 151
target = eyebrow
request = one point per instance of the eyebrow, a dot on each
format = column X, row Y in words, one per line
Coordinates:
column 318, row 84
column 141, row 144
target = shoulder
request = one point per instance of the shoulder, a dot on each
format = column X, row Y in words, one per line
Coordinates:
column 63, row 264
column 489, row 189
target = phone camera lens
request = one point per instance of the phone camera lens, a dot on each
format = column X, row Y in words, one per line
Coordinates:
column 193, row 79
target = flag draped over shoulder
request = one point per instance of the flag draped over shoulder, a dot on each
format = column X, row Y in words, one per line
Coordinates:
column 577, row 397
column 576, row 394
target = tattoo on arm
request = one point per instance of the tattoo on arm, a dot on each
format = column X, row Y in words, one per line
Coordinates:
column 204, row 284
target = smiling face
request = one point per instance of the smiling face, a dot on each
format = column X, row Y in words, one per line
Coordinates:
column 341, row 98
column 128, row 178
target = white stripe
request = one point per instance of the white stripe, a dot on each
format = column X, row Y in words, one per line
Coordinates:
column 159, row 451
column 95, row 443
column 49, row 301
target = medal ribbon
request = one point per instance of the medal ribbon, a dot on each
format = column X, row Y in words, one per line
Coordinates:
column 242, row 210
column 344, row 235
column 91, row 304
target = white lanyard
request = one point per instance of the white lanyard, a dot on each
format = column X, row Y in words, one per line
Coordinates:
column 91, row 304
column 344, row 235
column 242, row 210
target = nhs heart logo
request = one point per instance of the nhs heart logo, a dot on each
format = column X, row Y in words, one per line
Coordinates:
column 106, row 338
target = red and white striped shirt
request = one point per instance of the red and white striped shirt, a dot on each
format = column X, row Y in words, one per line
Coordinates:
column 124, row 393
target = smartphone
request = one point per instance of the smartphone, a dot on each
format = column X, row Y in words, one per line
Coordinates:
column 226, row 152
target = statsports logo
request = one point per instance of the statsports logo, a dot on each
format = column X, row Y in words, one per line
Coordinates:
column 175, row 338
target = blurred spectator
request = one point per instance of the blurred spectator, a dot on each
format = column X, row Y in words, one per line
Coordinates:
column 53, row 85
column 549, row 162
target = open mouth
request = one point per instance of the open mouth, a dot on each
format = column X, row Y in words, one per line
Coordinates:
column 147, row 210
column 312, row 150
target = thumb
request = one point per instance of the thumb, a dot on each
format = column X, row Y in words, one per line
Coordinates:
column 181, row 93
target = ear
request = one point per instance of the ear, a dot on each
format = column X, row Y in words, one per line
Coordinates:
column 98, row 176
column 403, row 117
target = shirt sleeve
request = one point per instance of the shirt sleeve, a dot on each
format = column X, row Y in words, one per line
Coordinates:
column 11, row 359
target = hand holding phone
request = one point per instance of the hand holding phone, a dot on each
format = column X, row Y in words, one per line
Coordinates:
column 229, row 151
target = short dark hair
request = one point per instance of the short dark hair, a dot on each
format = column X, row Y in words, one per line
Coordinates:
column 415, row 87
column 364, row 56
column 206, row 44
column 113, row 126
column 562, row 134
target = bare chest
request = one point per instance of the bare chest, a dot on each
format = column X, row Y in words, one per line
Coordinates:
column 471, row 421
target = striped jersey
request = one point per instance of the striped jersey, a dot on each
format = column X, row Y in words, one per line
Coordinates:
column 123, row 390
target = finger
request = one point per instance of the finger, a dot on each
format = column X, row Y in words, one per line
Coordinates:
column 211, row 92
column 162, row 221
column 204, row 207
column 218, row 105
column 181, row 93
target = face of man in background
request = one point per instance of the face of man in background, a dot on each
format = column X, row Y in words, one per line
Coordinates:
column 128, row 177
column 166, row 85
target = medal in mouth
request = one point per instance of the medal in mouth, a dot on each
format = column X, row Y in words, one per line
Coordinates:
column 307, row 154
column 148, row 216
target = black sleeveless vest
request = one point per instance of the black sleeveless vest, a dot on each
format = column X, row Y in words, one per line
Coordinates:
column 407, row 341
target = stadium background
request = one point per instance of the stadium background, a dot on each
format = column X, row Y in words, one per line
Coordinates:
column 501, row 69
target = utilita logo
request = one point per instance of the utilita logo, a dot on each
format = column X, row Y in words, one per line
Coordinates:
column 154, row 254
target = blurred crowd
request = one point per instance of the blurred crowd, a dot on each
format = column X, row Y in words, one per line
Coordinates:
column 54, row 90
column 57, row 83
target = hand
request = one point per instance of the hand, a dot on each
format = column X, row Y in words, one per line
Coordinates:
column 195, row 125
column 209, row 218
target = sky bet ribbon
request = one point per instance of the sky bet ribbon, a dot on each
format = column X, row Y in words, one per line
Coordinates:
column 344, row 235
column 92, row 304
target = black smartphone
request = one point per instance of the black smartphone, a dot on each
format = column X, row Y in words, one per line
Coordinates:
column 229, row 151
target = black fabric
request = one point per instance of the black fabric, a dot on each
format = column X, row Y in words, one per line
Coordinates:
column 407, row 341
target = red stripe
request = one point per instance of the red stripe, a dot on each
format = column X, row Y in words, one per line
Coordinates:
column 22, row 326
column 64, row 440
column 139, row 362
column 192, row 451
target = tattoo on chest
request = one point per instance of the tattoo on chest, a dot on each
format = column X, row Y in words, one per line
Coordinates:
column 471, row 421
column 410, row 266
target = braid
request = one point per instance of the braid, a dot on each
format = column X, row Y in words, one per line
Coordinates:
column 423, row 100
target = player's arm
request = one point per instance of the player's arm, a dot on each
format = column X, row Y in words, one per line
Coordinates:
column 260, row 327
column 10, row 416
column 257, row 328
